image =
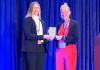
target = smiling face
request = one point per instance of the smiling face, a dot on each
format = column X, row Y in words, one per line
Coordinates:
column 36, row 9
column 65, row 12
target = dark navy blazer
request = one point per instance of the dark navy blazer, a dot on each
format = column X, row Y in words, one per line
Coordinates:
column 31, row 38
column 73, row 34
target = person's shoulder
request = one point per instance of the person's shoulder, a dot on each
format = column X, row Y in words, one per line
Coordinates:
column 28, row 19
column 74, row 22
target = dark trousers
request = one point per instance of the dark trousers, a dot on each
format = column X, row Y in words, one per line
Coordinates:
column 33, row 61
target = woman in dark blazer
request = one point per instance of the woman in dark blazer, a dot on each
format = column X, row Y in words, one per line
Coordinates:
column 34, row 49
column 66, row 53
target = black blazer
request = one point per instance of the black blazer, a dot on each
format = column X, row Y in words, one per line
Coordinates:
column 73, row 33
column 31, row 38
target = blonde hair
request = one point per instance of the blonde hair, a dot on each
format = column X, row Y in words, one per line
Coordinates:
column 65, row 5
column 29, row 12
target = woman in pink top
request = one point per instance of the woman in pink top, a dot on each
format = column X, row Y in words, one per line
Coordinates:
column 66, row 53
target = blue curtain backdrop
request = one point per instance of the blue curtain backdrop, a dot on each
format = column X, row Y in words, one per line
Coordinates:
column 86, row 12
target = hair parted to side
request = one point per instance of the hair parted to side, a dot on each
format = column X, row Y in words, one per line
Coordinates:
column 29, row 12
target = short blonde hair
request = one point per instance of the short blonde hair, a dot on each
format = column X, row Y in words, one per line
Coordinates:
column 65, row 5
column 29, row 12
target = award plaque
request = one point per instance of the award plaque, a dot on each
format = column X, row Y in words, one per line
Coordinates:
column 52, row 31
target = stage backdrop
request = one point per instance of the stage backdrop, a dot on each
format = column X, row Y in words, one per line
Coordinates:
column 12, row 13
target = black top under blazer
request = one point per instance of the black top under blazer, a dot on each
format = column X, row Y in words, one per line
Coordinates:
column 31, row 38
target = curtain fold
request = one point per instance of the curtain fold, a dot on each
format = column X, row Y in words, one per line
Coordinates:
column 8, row 36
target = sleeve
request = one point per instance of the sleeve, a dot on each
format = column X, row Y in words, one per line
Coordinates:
column 73, row 36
